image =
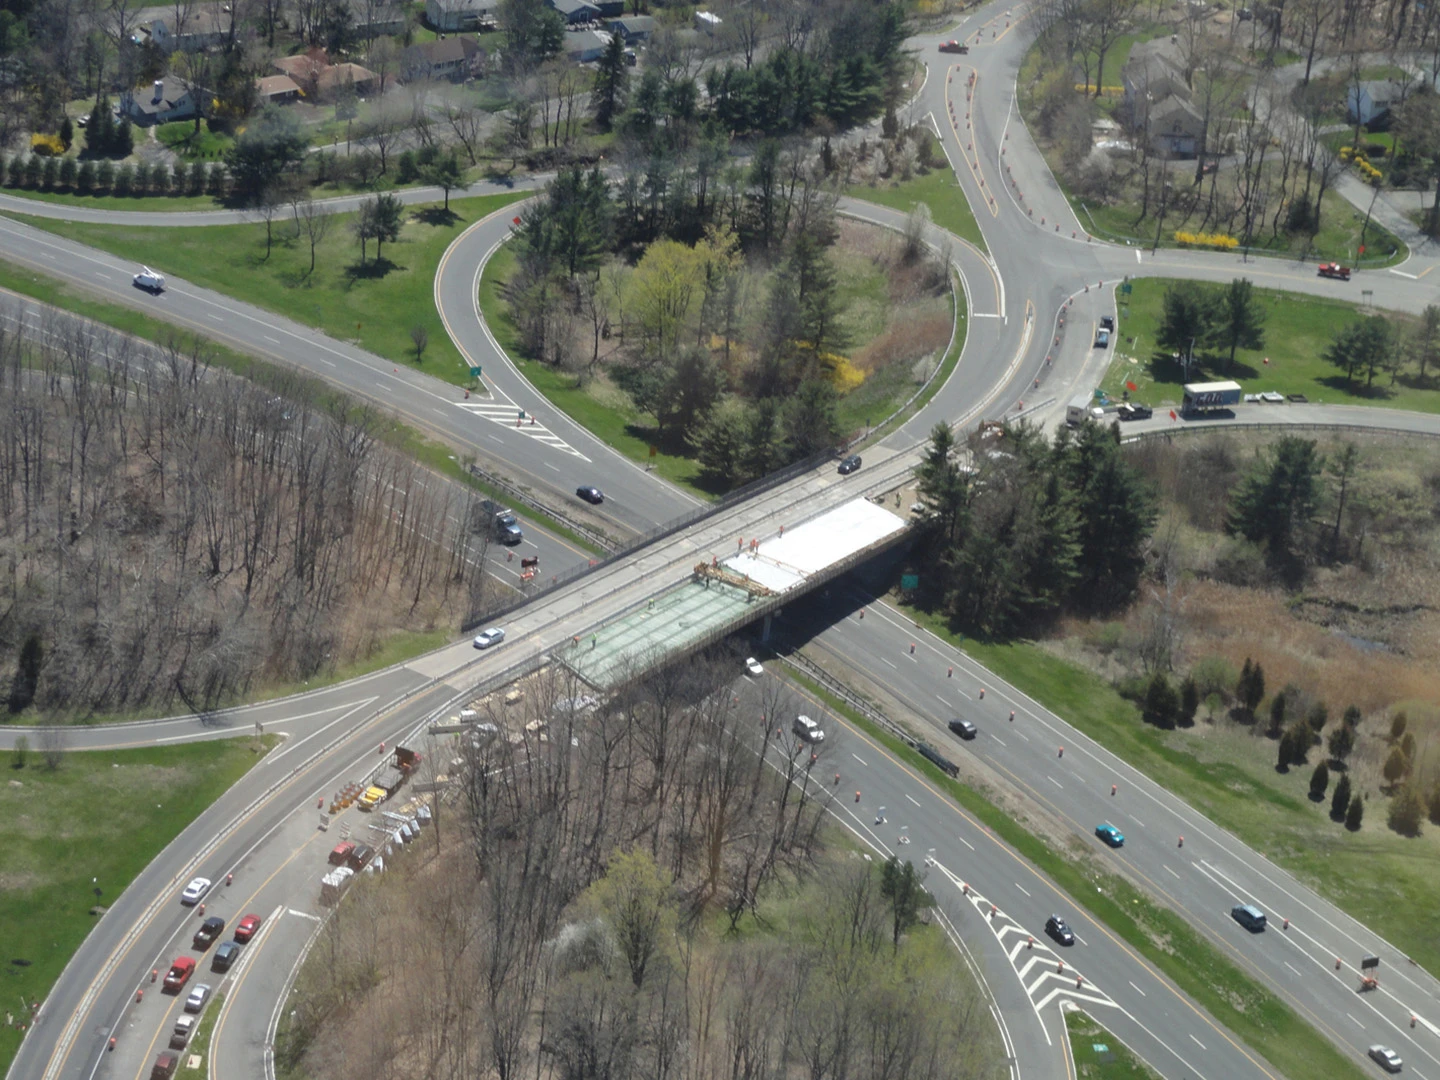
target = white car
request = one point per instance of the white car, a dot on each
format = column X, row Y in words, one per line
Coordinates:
column 195, row 891
column 807, row 729
column 493, row 636
column 198, row 996
column 1386, row 1058
column 150, row 280
column 753, row 666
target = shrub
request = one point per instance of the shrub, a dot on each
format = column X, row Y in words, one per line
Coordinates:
column 1219, row 241
column 1215, row 675
column 1189, row 701
column 1406, row 811
column 195, row 179
column 1161, row 702
column 1396, row 765
column 85, row 177
column 1398, row 723
column 1319, row 781
column 408, row 170
column 124, row 179
column 216, row 181
column 69, row 170
column 1340, row 800
column 50, row 172
column 19, row 752
column 47, row 145
column 1434, row 804
column 105, row 176
column 1355, row 815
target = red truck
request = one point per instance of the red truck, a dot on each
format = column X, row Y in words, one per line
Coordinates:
column 1335, row 270
column 953, row 46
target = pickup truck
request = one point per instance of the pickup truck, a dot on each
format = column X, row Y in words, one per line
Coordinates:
column 179, row 973
column 1335, row 270
column 953, row 46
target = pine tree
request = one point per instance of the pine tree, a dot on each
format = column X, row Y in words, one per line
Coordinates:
column 1355, row 815
column 612, row 81
column 1342, row 741
column 1319, row 781
column 69, row 171
column 1189, row 700
column 1433, row 804
column 1396, row 765
column 1340, row 799
column 1161, row 703
column 1398, row 724
column 1239, row 319
column 1277, row 709
column 1407, row 810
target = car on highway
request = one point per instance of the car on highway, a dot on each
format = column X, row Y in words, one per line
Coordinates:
column 198, row 997
column 953, row 46
column 807, row 729
column 1056, row 928
column 1134, row 412
column 246, row 927
column 1386, row 1058
column 225, row 955
column 209, row 930
column 593, row 495
column 1107, row 322
column 754, row 667
column 1248, row 916
column 849, row 465
column 179, row 973
column 486, row 638
column 149, row 280
column 964, row 728
column 180, row 1035
column 195, row 891
column 1111, row 835
column 1102, row 339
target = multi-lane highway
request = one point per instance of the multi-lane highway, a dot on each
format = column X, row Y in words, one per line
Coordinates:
column 265, row 830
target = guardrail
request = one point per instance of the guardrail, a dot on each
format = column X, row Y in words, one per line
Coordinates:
column 519, row 495
column 1268, row 425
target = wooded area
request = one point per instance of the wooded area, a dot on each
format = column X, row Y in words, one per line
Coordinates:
column 173, row 534
column 645, row 892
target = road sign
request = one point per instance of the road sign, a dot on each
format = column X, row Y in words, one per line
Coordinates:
column 475, row 372
column 1369, row 962
column 909, row 582
column 1125, row 289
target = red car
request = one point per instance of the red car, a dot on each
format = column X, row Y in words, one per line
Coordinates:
column 341, row 853
column 180, row 973
column 1335, row 270
column 246, row 928
column 953, row 46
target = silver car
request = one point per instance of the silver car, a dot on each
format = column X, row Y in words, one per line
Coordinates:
column 493, row 636
column 198, row 997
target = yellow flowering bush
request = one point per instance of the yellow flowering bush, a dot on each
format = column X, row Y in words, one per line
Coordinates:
column 1212, row 240
column 47, row 145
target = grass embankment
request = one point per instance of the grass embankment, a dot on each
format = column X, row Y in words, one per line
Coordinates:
column 101, row 815
column 1298, row 330
column 938, row 190
column 163, row 203
column 1163, row 937
column 1098, row 1055
column 375, row 304
column 1385, row 880
column 204, row 1032
column 182, row 138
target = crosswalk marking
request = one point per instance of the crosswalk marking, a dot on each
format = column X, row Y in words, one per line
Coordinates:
column 507, row 415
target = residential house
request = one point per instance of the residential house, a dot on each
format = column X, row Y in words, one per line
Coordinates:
column 1175, row 127
column 575, row 12
column 448, row 16
column 707, row 22
column 328, row 82
column 277, row 89
column 305, row 69
column 635, row 29
column 610, row 9
column 163, row 101
column 1158, row 98
column 452, row 58
column 1370, row 102
column 587, row 45
column 375, row 18
column 191, row 39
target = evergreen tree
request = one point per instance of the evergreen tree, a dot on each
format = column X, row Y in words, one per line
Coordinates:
column 1116, row 508
column 1341, row 742
column 1317, row 718
column 612, row 80
column 1398, row 723
column 67, row 132
column 50, row 172
column 1189, row 700
column 1161, row 703
column 944, row 486
column 105, row 176
column 1297, row 735
column 69, row 171
column 1407, row 810
column 1277, row 706
column 1252, row 689
column 1363, row 347
column 811, row 420
column 721, row 442
column 902, row 887
column 1355, row 815
column 1319, row 781
column 1396, row 765
column 85, row 177
column 1277, row 497
column 269, row 147
column 1239, row 320
column 122, row 139
column 389, row 216
column 1433, row 804
column 195, row 179
column 573, row 224
column 1188, row 315
column 1340, row 799
column 445, row 173
column 33, row 171
column 124, row 179
column 1352, row 717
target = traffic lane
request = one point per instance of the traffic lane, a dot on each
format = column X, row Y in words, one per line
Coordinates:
column 434, row 408
column 90, row 999
column 903, row 813
column 1292, row 413
column 1076, row 787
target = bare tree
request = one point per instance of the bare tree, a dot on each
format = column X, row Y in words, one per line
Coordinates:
column 54, row 742
column 314, row 224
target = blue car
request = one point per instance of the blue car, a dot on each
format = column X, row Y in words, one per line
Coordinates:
column 1111, row 835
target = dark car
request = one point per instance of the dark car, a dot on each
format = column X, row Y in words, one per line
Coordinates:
column 1056, row 928
column 850, row 464
column 964, row 728
column 362, row 854
column 592, row 495
column 224, row 956
column 1248, row 916
column 209, row 930
column 1135, row 412
column 1107, row 322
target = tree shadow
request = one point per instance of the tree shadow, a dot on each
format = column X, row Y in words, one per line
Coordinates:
column 298, row 278
column 1350, row 387
column 437, row 216
column 374, row 270
column 1416, row 382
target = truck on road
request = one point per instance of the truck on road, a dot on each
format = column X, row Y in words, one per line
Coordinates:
column 500, row 521
column 1335, row 270
column 390, row 779
column 1081, row 408
column 1204, row 397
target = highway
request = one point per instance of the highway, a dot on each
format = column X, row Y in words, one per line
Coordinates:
column 1014, row 298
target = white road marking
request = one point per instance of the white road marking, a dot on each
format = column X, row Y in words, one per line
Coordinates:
column 1177, row 878
column 1292, row 968
column 212, row 315
column 1055, row 782
column 196, row 735
column 966, row 842
column 1357, row 1022
column 860, row 759
column 1022, row 888
column 267, row 337
column 912, row 800
column 328, row 363
column 550, row 466
column 1137, row 989
column 1023, row 736
column 1196, row 1041
column 887, row 660
column 943, row 702
column 305, row 915
column 997, row 738
column 1137, row 256
column 1137, row 821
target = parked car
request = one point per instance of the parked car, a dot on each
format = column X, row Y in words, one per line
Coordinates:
column 340, row 852
column 1056, row 928
column 849, row 465
column 1107, row 322
column 195, row 891
column 361, row 856
column 225, row 955
column 1102, row 339
column 1110, row 834
column 807, row 729
column 592, row 495
column 209, row 930
column 179, row 973
column 1386, row 1058
column 1134, row 412
column 754, row 667
column 246, row 927
column 1248, row 916
column 486, row 638
column 184, row 1028
column 165, row 1066
column 198, row 997
column 150, row 280
column 964, row 728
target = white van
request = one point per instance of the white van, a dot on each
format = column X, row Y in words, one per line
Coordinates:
column 807, row 729
column 150, row 280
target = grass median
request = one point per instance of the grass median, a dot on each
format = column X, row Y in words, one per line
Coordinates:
column 1098, row 1055
column 1164, row 937
column 378, row 303
column 92, row 824
column 939, row 191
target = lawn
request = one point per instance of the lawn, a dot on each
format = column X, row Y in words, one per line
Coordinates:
column 171, row 203
column 374, row 304
column 939, row 190
column 1386, row 881
column 1298, row 330
column 1098, row 1055
column 204, row 145
column 1162, row 936
column 101, row 815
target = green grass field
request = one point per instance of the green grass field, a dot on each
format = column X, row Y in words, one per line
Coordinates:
column 204, row 145
column 1098, row 1055
column 168, row 203
column 374, row 304
column 939, row 190
column 101, row 815
column 1385, row 880
column 1298, row 330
